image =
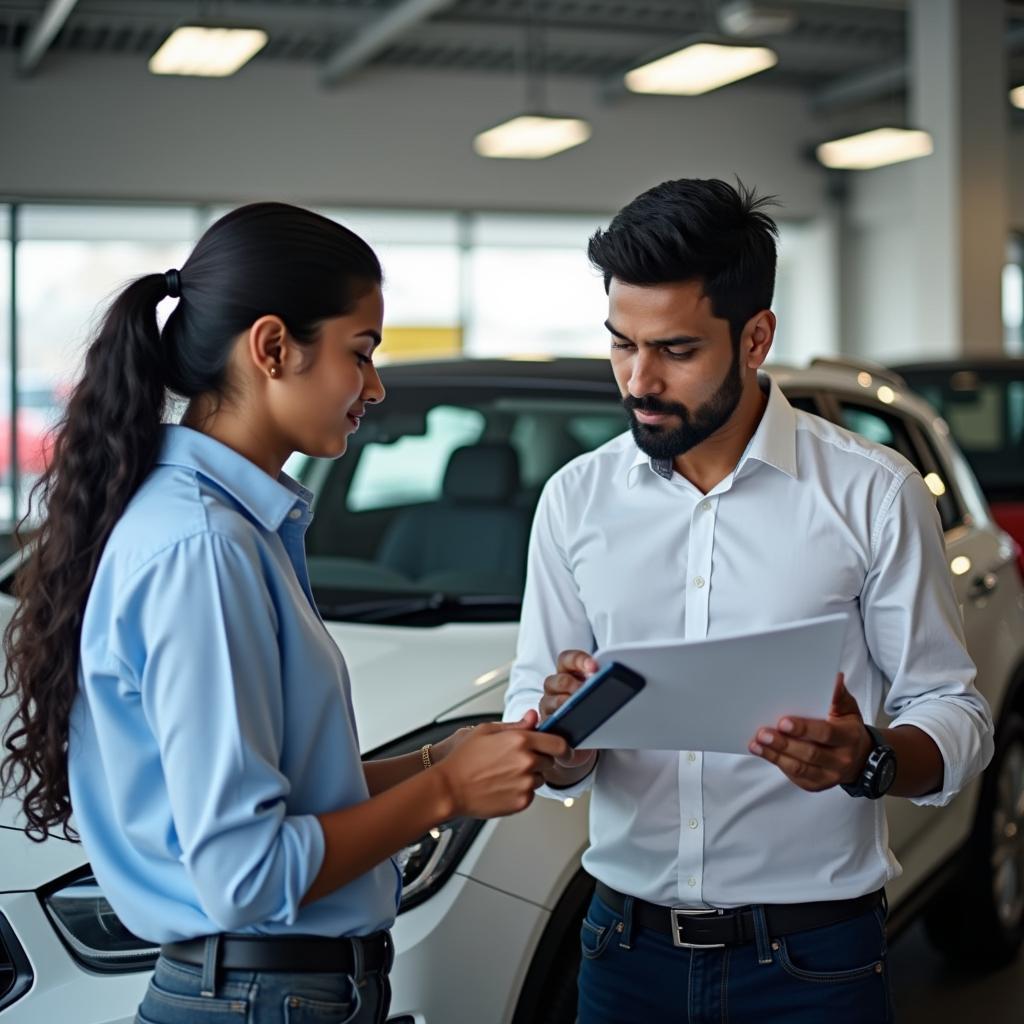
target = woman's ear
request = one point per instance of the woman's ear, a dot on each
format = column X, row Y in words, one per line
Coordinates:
column 268, row 345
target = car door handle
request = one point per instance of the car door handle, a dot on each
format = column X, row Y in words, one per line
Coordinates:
column 982, row 586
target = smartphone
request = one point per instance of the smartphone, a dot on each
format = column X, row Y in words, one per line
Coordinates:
column 594, row 703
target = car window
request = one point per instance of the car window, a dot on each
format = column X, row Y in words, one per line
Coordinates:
column 890, row 429
column 985, row 414
column 401, row 533
column 807, row 403
column 410, row 468
column 939, row 479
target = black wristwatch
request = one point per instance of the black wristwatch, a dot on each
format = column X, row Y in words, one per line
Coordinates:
column 879, row 772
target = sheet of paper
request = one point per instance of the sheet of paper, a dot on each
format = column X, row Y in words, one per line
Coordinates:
column 713, row 694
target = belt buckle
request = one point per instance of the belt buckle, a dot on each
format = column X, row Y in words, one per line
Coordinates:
column 677, row 929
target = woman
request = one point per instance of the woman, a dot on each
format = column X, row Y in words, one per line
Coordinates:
column 175, row 684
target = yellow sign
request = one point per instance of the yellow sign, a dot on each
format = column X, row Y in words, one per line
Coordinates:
column 406, row 343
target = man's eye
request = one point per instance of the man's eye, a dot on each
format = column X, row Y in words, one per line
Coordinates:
column 683, row 355
column 622, row 344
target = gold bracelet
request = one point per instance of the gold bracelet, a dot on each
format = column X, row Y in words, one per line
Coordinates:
column 425, row 755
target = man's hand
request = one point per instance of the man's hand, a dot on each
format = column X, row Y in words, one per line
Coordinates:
column 572, row 670
column 814, row 753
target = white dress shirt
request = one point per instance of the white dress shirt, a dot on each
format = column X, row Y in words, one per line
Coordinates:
column 814, row 519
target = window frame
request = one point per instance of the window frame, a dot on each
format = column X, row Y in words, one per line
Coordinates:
column 952, row 508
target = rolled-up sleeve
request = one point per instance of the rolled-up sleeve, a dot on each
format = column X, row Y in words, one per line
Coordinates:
column 914, row 632
column 553, row 620
column 211, row 690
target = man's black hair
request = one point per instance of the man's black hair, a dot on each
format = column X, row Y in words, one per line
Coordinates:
column 695, row 229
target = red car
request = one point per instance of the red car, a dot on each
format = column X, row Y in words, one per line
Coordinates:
column 982, row 400
column 40, row 405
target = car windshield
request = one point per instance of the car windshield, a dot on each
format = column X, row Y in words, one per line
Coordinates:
column 985, row 413
column 426, row 519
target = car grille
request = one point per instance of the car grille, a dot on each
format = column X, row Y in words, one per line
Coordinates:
column 15, row 971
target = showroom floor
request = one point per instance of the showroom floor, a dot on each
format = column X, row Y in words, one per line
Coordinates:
column 928, row 991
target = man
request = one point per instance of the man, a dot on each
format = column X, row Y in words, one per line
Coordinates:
column 725, row 510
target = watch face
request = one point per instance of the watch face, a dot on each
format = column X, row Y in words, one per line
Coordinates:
column 886, row 774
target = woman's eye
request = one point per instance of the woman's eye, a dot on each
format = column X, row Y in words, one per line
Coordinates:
column 364, row 360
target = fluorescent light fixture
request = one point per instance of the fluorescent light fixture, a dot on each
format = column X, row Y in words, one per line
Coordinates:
column 207, row 52
column 700, row 68
column 874, row 149
column 531, row 137
column 1017, row 96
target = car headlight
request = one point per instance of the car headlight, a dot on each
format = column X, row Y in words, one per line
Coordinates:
column 92, row 932
column 429, row 862
column 15, row 969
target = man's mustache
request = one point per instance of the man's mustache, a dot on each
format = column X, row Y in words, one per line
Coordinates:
column 648, row 403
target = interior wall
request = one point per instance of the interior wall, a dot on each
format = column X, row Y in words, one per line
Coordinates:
column 86, row 128
column 880, row 280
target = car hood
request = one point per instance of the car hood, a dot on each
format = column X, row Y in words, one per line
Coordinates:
column 25, row 865
column 404, row 678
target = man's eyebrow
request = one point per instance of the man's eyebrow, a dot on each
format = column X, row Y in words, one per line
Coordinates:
column 374, row 336
column 682, row 339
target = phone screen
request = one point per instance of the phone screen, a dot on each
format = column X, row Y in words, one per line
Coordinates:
column 601, row 696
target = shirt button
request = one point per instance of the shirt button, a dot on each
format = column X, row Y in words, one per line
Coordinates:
column 691, row 882
column 691, row 756
column 698, row 582
column 295, row 514
column 705, row 506
column 692, row 823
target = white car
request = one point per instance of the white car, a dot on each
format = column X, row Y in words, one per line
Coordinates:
column 416, row 556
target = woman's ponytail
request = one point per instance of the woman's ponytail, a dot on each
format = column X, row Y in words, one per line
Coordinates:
column 105, row 445
column 261, row 259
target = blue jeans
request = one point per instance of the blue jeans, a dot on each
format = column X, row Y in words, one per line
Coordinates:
column 262, row 997
column 836, row 974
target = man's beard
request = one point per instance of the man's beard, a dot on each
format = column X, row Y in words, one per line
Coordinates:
column 662, row 442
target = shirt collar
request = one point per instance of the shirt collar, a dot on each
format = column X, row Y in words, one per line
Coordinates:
column 267, row 500
column 773, row 443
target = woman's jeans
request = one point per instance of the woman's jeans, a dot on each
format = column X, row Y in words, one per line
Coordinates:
column 263, row 997
column 832, row 975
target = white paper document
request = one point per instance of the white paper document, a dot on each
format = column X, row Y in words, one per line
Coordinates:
column 712, row 694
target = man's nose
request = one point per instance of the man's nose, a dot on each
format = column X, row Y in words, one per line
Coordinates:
column 644, row 380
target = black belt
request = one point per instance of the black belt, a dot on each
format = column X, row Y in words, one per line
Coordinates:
column 697, row 928
column 292, row 953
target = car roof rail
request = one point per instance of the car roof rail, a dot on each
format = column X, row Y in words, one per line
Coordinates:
column 876, row 370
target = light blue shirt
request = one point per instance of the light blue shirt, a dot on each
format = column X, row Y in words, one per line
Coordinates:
column 214, row 717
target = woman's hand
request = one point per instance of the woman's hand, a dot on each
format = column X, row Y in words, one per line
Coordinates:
column 494, row 770
column 444, row 748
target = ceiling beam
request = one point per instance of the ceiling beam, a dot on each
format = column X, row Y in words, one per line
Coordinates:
column 378, row 36
column 880, row 81
column 43, row 32
column 233, row 13
column 884, row 5
column 861, row 87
